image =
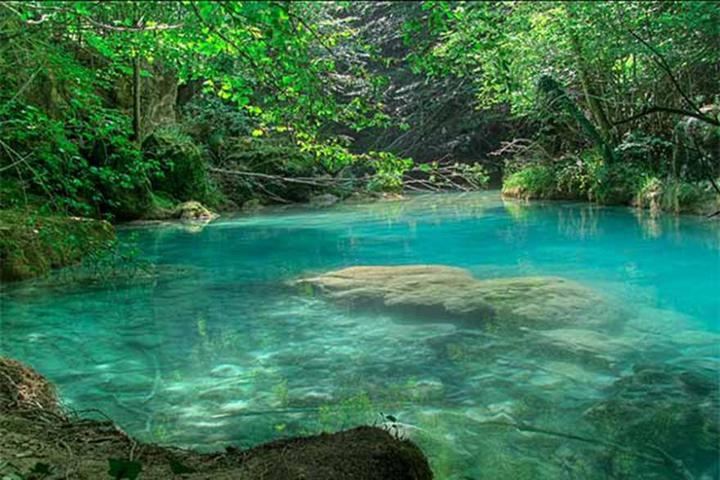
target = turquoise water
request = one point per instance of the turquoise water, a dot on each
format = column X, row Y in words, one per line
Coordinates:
column 218, row 349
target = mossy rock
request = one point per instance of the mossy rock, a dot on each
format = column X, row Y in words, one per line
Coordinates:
column 31, row 243
column 192, row 210
column 662, row 408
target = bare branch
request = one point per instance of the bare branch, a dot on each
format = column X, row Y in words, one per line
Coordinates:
column 677, row 111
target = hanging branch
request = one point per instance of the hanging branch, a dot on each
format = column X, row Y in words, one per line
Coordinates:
column 677, row 111
column 662, row 63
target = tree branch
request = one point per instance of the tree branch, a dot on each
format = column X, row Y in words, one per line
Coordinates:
column 677, row 111
column 662, row 63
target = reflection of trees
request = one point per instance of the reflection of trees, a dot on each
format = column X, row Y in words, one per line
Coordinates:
column 579, row 223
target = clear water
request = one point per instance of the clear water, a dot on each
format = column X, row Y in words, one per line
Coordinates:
column 223, row 352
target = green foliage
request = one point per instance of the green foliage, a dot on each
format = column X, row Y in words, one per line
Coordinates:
column 675, row 196
column 588, row 177
column 209, row 120
column 588, row 73
column 64, row 142
column 536, row 181
column 616, row 184
column 182, row 169
column 388, row 170
column 258, row 68
column 31, row 243
column 504, row 47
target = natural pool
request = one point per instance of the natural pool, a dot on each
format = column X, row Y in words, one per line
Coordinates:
column 218, row 349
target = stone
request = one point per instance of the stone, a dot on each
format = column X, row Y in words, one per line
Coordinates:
column 252, row 205
column 587, row 347
column 193, row 210
column 227, row 371
column 324, row 200
column 443, row 292
column 675, row 409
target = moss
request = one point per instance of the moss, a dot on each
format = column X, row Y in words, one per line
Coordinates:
column 161, row 207
column 32, row 243
column 184, row 173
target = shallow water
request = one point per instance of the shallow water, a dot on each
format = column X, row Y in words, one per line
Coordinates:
column 218, row 349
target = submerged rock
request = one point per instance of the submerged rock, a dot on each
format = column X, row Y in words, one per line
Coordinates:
column 443, row 291
column 227, row 371
column 662, row 408
column 586, row 347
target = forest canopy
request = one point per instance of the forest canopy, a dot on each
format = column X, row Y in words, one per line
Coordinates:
column 121, row 109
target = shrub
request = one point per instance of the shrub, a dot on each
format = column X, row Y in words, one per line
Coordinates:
column 182, row 169
column 535, row 181
column 617, row 183
column 32, row 243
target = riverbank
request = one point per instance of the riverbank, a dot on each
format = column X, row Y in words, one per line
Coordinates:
column 612, row 186
column 38, row 439
column 33, row 243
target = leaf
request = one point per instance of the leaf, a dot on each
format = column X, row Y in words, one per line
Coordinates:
column 124, row 469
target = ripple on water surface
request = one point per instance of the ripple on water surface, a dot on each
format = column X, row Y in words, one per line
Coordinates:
column 218, row 349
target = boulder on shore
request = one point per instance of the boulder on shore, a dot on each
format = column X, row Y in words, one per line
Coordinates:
column 193, row 210
column 34, row 431
column 440, row 291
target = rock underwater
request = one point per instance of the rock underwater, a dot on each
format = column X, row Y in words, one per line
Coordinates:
column 440, row 291
column 663, row 409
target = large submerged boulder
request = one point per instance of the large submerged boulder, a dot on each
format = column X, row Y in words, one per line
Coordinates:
column 441, row 291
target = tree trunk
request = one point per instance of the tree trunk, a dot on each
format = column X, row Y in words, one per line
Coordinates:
column 592, row 97
column 136, row 123
column 560, row 99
